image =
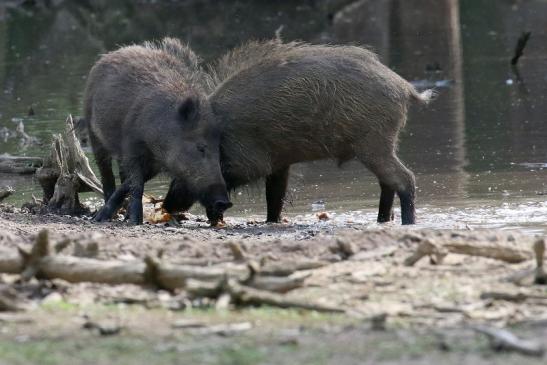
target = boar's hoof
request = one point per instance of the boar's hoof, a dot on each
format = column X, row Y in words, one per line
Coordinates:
column 103, row 215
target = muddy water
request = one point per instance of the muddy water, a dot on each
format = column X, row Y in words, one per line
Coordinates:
column 478, row 151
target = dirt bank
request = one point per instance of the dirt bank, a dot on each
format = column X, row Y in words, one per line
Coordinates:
column 369, row 279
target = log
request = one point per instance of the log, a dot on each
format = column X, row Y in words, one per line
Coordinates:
column 277, row 284
column 540, row 277
column 519, row 48
column 19, row 164
column 285, row 268
column 26, row 139
column 502, row 339
column 249, row 296
column 43, row 263
column 495, row 250
column 5, row 192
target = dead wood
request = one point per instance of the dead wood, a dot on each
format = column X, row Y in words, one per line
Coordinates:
column 26, row 139
column 19, row 164
column 495, row 250
column 65, row 173
column 237, row 251
column 503, row 340
column 42, row 262
column 540, row 277
column 5, row 192
column 245, row 295
column 10, row 300
column 285, row 268
column 512, row 297
column 426, row 248
column 344, row 248
column 277, row 284
column 519, row 48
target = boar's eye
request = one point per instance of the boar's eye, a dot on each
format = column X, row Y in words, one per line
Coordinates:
column 189, row 109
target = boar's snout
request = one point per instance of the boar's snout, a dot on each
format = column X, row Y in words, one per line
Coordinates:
column 216, row 199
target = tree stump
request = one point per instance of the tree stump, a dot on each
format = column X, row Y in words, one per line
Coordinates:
column 65, row 173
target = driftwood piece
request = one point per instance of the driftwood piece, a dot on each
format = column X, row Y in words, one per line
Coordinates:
column 495, row 250
column 285, row 268
column 519, row 48
column 19, row 164
column 65, row 173
column 10, row 300
column 535, row 275
column 503, row 340
column 5, row 192
column 426, row 248
column 26, row 139
column 513, row 297
column 40, row 261
column 540, row 277
column 237, row 251
column 249, row 296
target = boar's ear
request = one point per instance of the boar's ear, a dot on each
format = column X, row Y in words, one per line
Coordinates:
column 189, row 108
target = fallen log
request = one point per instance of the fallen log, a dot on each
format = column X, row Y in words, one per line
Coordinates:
column 41, row 262
column 242, row 294
column 495, row 250
column 19, row 164
column 519, row 48
column 285, row 268
column 540, row 277
column 5, row 192
column 512, row 297
column 503, row 340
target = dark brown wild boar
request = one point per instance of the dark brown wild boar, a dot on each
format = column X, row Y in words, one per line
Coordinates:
column 145, row 107
column 287, row 103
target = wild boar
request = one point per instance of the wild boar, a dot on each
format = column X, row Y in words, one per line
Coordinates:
column 144, row 108
column 283, row 103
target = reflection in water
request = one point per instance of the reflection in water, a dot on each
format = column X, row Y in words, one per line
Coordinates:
column 473, row 145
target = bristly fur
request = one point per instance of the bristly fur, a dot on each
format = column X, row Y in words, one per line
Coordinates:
column 254, row 53
column 184, row 53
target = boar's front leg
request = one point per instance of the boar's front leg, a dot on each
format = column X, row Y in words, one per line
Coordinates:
column 276, row 188
column 113, row 204
column 138, row 174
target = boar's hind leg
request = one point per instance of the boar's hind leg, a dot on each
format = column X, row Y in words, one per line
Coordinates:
column 385, row 211
column 276, row 187
column 104, row 162
column 393, row 177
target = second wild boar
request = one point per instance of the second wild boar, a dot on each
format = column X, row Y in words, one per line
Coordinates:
column 144, row 108
column 294, row 102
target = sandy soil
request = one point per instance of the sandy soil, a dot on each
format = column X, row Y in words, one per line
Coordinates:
column 420, row 303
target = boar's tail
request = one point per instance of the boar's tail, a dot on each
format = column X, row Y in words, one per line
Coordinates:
column 424, row 97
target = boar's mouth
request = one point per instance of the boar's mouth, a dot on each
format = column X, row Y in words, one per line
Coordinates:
column 216, row 202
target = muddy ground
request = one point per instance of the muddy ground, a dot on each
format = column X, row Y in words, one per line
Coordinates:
column 430, row 308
